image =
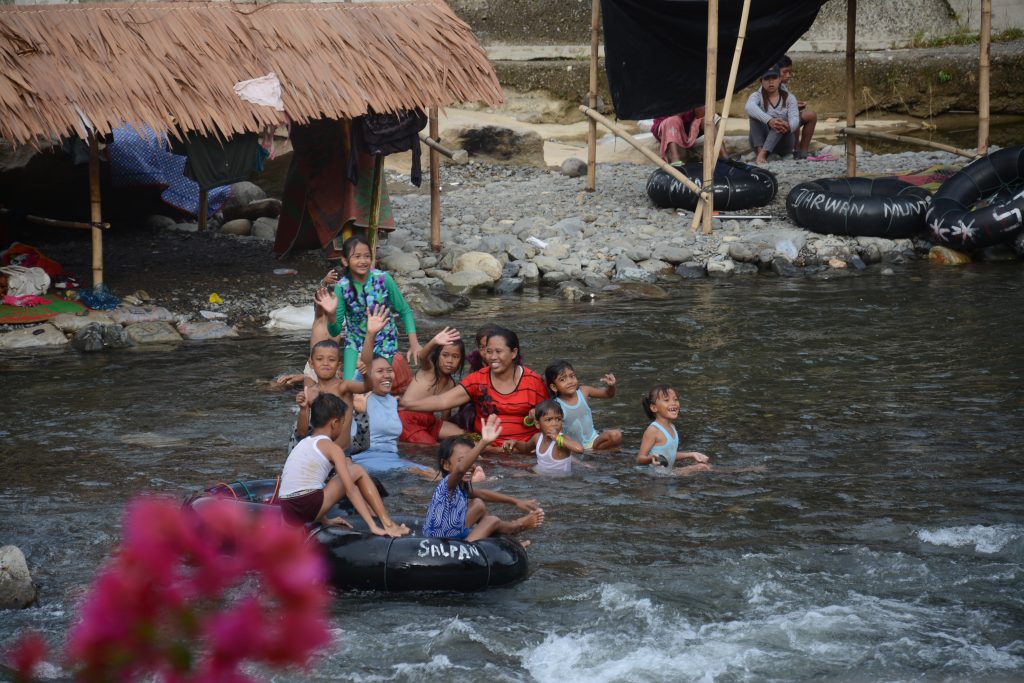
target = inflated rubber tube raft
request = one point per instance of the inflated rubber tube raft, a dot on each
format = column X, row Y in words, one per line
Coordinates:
column 982, row 204
column 360, row 560
column 865, row 207
column 737, row 186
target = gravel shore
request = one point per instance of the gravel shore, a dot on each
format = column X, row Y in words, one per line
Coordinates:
column 505, row 229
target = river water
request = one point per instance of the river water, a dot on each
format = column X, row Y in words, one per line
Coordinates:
column 865, row 520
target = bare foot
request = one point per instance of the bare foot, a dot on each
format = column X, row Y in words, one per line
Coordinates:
column 478, row 474
column 395, row 530
column 525, row 543
column 530, row 521
column 336, row 521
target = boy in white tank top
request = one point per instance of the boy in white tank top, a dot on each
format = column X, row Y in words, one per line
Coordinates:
column 307, row 493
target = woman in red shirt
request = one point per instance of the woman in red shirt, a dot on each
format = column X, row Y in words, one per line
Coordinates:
column 503, row 387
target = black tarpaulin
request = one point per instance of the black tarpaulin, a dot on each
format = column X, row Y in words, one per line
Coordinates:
column 656, row 50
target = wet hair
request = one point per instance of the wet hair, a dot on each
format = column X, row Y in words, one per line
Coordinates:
column 447, row 448
column 435, row 356
column 326, row 344
column 511, row 340
column 656, row 392
column 325, row 408
column 485, row 332
column 785, row 61
column 552, row 372
column 545, row 407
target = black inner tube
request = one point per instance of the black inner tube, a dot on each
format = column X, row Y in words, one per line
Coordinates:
column 869, row 207
column 737, row 186
column 981, row 205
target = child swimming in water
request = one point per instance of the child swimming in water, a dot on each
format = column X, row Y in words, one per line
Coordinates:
column 457, row 509
column 307, row 489
column 579, row 421
column 553, row 448
column 660, row 441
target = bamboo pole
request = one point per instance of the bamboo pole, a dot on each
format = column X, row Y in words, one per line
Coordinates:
column 892, row 137
column 435, row 185
column 95, row 210
column 710, row 95
column 595, row 29
column 983, row 75
column 729, row 91
column 371, row 230
column 657, row 160
column 458, row 156
column 851, row 74
column 204, row 209
column 54, row 223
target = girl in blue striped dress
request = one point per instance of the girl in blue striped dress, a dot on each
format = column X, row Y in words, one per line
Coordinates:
column 457, row 509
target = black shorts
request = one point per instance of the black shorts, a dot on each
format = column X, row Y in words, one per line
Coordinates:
column 303, row 509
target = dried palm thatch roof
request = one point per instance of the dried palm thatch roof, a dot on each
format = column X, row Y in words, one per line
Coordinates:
column 174, row 64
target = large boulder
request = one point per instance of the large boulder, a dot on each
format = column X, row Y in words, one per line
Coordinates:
column 269, row 207
column 242, row 194
column 478, row 261
column 400, row 262
column 467, row 281
column 434, row 302
column 948, row 257
column 264, row 228
column 16, row 588
column 241, row 227
column 37, row 336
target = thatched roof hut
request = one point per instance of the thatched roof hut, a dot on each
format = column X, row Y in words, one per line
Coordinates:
column 67, row 68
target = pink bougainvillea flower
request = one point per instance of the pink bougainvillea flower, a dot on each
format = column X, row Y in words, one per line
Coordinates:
column 27, row 654
column 193, row 594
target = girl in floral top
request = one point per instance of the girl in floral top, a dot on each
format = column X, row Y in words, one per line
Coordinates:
column 358, row 291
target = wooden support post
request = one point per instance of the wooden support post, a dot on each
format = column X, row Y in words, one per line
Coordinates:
column 710, row 95
column 204, row 209
column 595, row 29
column 983, row 75
column 95, row 210
column 654, row 158
column 851, row 75
column 892, row 137
column 435, row 186
column 720, row 130
column 371, row 230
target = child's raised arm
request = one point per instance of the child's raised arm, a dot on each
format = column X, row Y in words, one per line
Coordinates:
column 489, row 431
column 375, row 322
column 607, row 391
column 448, row 335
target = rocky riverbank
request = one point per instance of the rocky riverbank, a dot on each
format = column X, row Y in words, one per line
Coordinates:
column 505, row 230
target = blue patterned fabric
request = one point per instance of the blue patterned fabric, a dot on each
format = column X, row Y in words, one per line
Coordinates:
column 446, row 517
column 145, row 161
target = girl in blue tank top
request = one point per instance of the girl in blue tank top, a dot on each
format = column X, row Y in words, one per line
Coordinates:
column 579, row 421
column 659, row 447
